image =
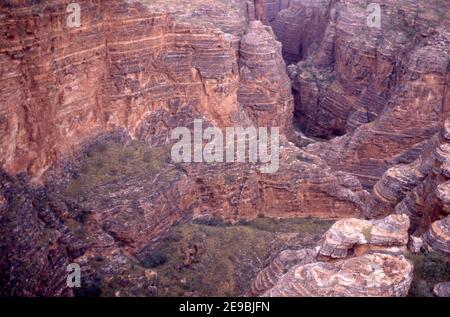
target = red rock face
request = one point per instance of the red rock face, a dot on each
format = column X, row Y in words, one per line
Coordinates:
column 264, row 89
column 137, row 70
column 124, row 63
column 300, row 27
column 133, row 72
column 147, row 63
column 419, row 190
column 384, row 93
column 386, row 89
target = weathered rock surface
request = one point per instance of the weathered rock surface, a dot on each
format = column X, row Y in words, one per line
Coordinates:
column 267, row 278
column 135, row 70
column 131, row 72
column 442, row 289
column 349, row 234
column 438, row 236
column 372, row 87
column 230, row 16
column 264, row 89
column 418, row 189
column 103, row 76
column 369, row 275
column 376, row 266
column 300, row 27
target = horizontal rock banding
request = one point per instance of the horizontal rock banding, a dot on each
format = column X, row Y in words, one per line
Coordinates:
column 268, row 277
column 347, row 234
column 438, row 236
column 378, row 275
column 370, row 87
column 376, row 266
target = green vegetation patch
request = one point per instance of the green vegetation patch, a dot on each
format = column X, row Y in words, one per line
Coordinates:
column 367, row 232
column 429, row 269
column 220, row 259
column 226, row 259
column 110, row 163
column 306, row 226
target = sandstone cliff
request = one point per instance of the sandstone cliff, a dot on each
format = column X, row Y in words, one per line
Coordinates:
column 385, row 89
column 105, row 75
column 86, row 115
column 89, row 111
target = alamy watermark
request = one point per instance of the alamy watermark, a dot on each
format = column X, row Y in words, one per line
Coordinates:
column 263, row 147
column 74, row 276
column 374, row 17
column 74, row 18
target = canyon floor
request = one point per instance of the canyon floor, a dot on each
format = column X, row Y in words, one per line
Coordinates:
column 207, row 256
column 91, row 94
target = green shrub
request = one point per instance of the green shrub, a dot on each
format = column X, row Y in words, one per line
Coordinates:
column 430, row 268
column 304, row 158
column 90, row 288
column 211, row 221
column 153, row 259
column 147, row 157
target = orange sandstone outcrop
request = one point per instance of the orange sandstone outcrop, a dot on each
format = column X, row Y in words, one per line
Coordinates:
column 370, row 275
column 62, row 85
column 375, row 266
column 264, row 89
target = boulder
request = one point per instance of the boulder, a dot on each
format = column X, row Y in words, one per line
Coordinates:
column 347, row 234
column 368, row 275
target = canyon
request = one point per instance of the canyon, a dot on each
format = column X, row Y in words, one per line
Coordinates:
column 87, row 177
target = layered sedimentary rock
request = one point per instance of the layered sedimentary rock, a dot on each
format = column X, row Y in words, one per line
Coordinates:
column 264, row 89
column 230, row 16
column 419, row 189
column 373, row 87
column 302, row 185
column 136, row 70
column 104, row 75
column 369, row 275
column 140, row 65
column 350, row 234
column 128, row 74
column 300, row 27
column 267, row 10
column 142, row 69
column 268, row 277
column 438, row 236
column 376, row 266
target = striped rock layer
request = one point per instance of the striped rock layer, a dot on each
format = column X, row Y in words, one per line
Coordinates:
column 356, row 258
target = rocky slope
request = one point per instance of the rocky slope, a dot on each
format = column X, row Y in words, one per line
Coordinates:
column 388, row 84
column 86, row 116
column 375, row 266
column 417, row 189
column 92, row 120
